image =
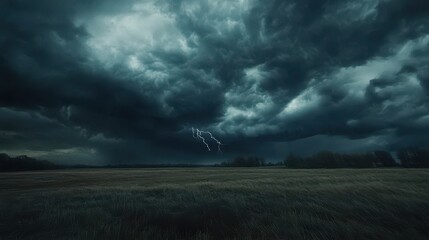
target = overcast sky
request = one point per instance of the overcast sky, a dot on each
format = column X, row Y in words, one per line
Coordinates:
column 105, row 82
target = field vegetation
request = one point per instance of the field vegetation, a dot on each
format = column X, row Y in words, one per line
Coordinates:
column 215, row 203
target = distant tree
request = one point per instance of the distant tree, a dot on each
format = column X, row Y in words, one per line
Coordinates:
column 365, row 160
column 324, row 159
column 357, row 160
column 23, row 163
column 385, row 158
column 414, row 157
column 327, row 159
column 293, row 161
column 4, row 161
column 241, row 161
column 349, row 160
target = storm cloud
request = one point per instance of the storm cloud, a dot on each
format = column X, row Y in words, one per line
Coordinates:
column 124, row 81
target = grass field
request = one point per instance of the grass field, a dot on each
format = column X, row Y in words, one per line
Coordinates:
column 215, row 203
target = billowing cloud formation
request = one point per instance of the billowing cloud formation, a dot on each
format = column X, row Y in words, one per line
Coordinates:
column 125, row 81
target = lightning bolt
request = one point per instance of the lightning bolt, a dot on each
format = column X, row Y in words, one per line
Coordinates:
column 198, row 134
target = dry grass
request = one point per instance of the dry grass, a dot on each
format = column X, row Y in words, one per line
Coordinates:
column 215, row 203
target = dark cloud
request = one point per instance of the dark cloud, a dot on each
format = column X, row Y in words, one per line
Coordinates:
column 125, row 81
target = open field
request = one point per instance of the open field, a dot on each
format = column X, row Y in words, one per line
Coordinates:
column 215, row 203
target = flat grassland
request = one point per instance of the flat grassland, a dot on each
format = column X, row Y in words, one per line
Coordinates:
column 215, row 203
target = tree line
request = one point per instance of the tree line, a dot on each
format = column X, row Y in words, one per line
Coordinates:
column 412, row 157
column 23, row 163
column 408, row 157
column 242, row 161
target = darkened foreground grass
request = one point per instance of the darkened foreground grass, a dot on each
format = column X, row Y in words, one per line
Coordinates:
column 215, row 203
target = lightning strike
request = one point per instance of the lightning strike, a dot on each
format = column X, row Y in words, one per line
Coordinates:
column 198, row 134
